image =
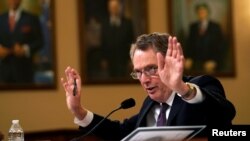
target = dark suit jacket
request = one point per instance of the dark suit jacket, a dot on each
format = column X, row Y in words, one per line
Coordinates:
column 211, row 45
column 116, row 41
column 214, row 111
column 27, row 31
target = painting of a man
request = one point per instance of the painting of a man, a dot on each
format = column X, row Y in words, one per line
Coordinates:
column 110, row 27
column 205, row 29
column 20, row 39
column 206, row 45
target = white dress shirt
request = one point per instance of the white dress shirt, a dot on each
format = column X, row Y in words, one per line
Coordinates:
column 153, row 113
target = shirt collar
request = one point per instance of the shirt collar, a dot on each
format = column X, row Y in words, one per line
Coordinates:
column 171, row 99
column 17, row 13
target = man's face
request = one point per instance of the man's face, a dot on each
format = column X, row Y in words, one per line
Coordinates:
column 151, row 84
column 114, row 7
column 202, row 13
column 14, row 4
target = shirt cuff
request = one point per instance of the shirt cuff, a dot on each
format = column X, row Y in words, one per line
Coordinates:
column 27, row 50
column 86, row 121
column 199, row 97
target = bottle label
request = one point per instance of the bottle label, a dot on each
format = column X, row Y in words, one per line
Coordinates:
column 15, row 136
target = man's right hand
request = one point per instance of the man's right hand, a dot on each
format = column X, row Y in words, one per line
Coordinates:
column 4, row 52
column 73, row 101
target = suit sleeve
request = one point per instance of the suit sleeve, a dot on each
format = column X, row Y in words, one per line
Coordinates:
column 220, row 111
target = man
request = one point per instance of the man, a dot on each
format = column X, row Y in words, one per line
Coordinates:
column 158, row 63
column 20, row 39
column 206, row 46
column 116, row 36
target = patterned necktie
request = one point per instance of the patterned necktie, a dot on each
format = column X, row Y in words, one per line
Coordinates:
column 12, row 22
column 162, row 121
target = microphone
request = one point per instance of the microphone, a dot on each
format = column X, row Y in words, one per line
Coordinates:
column 128, row 103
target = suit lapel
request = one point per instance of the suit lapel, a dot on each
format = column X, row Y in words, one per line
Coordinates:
column 19, row 21
column 143, row 115
column 177, row 105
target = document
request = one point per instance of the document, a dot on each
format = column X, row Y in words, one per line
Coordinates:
column 165, row 133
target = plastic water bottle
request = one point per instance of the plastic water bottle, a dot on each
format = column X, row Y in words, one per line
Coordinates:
column 16, row 132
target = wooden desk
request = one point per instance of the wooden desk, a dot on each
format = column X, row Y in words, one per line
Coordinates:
column 1, row 136
column 56, row 135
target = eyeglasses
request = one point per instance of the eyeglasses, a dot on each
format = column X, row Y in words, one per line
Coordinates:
column 148, row 71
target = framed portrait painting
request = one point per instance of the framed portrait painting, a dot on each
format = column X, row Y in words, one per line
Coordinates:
column 27, row 57
column 107, row 29
column 204, row 27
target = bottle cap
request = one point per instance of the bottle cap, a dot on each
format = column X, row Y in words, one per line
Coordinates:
column 15, row 121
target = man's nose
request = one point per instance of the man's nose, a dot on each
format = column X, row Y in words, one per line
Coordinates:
column 144, row 78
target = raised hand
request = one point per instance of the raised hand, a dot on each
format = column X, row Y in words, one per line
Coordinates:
column 4, row 52
column 171, row 67
column 73, row 101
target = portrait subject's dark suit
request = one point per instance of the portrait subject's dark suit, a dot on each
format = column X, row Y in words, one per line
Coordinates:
column 27, row 31
column 214, row 111
column 206, row 45
column 116, row 41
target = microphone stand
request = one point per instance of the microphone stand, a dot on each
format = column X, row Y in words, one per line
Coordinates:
column 128, row 103
column 79, row 138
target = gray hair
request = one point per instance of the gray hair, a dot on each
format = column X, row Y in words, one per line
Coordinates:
column 156, row 41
